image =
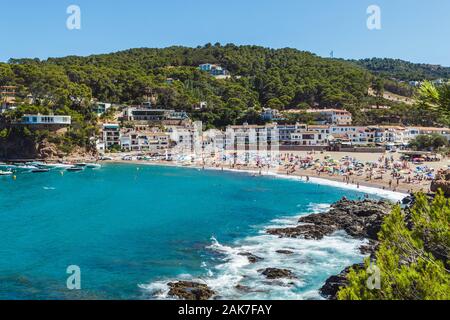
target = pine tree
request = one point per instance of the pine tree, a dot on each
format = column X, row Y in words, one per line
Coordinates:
column 413, row 256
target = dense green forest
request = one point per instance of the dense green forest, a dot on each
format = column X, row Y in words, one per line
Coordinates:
column 262, row 77
column 404, row 70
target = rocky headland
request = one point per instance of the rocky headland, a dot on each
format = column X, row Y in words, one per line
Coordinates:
column 359, row 219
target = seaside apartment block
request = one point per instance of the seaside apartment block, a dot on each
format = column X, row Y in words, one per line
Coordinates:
column 110, row 136
column 252, row 137
column 145, row 141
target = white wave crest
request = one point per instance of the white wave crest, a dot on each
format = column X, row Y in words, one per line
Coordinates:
column 311, row 261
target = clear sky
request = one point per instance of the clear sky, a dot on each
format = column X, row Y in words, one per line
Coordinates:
column 414, row 30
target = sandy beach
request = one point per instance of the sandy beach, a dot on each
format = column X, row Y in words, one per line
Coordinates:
column 383, row 182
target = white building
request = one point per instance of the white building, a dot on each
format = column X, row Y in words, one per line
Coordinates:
column 101, row 107
column 269, row 114
column 110, row 135
column 215, row 70
column 314, row 135
column 254, row 137
column 389, row 135
column 355, row 135
column 187, row 139
column 285, row 131
column 144, row 141
column 332, row 116
column 412, row 132
column 38, row 119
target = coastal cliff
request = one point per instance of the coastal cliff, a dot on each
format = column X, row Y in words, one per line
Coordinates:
column 19, row 146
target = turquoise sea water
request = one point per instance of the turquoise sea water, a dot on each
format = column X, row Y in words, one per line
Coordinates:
column 131, row 229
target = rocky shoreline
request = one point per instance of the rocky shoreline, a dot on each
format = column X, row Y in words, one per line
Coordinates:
column 359, row 219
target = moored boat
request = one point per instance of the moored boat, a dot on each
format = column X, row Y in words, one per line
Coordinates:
column 75, row 169
column 40, row 170
column 25, row 167
column 93, row 165
column 5, row 173
column 60, row 165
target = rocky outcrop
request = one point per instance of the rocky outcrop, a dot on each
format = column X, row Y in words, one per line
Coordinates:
column 46, row 150
column 251, row 257
column 189, row 290
column 335, row 283
column 274, row 273
column 360, row 219
column 286, row 252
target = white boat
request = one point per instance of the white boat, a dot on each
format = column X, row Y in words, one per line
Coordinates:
column 25, row 167
column 5, row 173
column 59, row 165
column 80, row 165
column 35, row 163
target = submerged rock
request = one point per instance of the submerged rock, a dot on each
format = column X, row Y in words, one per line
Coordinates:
column 274, row 273
column 286, row 252
column 189, row 290
column 246, row 289
column 251, row 257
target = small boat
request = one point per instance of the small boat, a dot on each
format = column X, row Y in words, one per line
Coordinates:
column 35, row 163
column 5, row 173
column 80, row 165
column 40, row 170
column 26, row 167
column 75, row 169
column 93, row 165
column 60, row 165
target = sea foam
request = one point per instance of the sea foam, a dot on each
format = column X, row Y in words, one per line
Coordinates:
column 234, row 277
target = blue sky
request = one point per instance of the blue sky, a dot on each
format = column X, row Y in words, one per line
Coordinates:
column 413, row 30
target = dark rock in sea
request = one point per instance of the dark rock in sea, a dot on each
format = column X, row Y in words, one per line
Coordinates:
column 251, row 257
column 246, row 289
column 243, row 288
column 286, row 252
column 188, row 290
column 360, row 219
column 274, row 273
column 335, row 283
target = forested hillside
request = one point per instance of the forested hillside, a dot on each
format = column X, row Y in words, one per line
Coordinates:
column 404, row 70
column 262, row 77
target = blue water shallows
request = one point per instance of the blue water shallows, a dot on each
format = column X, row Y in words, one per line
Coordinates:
column 131, row 229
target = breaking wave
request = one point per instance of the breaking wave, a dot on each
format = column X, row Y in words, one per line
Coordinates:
column 233, row 276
